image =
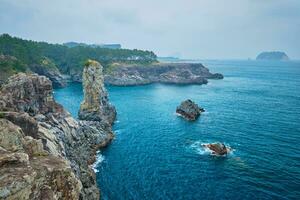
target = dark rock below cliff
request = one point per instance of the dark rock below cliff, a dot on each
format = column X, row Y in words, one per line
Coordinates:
column 189, row 110
column 49, row 69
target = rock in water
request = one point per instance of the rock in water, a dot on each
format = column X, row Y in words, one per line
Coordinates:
column 218, row 148
column 189, row 110
column 95, row 106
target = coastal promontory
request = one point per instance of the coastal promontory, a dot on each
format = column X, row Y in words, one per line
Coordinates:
column 170, row 73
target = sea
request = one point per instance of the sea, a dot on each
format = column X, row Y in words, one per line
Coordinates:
column 156, row 154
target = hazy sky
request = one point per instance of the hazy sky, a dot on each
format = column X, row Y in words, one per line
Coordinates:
column 188, row 28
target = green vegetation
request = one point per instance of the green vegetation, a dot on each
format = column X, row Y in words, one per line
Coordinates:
column 10, row 65
column 67, row 59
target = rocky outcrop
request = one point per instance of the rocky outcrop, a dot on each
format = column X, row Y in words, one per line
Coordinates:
column 171, row 73
column 27, row 171
column 45, row 153
column 47, row 68
column 95, row 106
column 189, row 110
column 218, row 148
column 273, row 55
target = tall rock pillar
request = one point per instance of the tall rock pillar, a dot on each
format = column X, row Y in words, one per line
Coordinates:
column 95, row 106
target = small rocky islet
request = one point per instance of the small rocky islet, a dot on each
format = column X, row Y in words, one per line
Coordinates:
column 189, row 110
column 217, row 148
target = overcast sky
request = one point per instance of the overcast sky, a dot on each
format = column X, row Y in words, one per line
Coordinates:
column 187, row 28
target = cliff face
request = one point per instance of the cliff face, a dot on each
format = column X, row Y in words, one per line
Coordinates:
column 95, row 106
column 44, row 152
column 47, row 68
column 172, row 73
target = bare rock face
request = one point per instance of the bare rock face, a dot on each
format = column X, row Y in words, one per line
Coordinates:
column 189, row 110
column 27, row 171
column 28, row 93
column 170, row 73
column 44, row 152
column 95, row 106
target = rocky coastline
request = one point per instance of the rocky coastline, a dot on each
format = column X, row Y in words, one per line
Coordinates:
column 44, row 152
column 167, row 73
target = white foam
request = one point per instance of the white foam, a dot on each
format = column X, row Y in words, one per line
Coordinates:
column 99, row 159
column 197, row 146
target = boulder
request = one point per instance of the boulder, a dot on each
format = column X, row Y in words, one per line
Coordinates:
column 189, row 110
column 95, row 106
column 218, row 148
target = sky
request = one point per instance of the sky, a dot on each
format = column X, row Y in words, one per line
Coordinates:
column 196, row 29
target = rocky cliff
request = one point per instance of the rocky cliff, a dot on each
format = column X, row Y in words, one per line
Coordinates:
column 47, row 68
column 173, row 73
column 95, row 106
column 44, row 152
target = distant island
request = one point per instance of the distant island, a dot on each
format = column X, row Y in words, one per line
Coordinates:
column 272, row 55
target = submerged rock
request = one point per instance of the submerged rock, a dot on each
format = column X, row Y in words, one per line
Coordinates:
column 95, row 106
column 44, row 152
column 218, row 148
column 189, row 110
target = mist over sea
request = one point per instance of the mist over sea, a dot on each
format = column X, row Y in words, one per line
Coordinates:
column 255, row 110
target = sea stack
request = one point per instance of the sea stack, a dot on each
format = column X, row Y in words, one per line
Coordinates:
column 95, row 106
column 189, row 110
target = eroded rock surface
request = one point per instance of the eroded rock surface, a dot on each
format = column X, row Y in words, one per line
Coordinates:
column 95, row 106
column 189, row 110
column 171, row 73
column 44, row 152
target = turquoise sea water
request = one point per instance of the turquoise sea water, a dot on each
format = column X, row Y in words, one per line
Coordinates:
column 255, row 109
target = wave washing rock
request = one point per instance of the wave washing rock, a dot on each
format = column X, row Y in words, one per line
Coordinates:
column 189, row 110
column 44, row 152
column 95, row 106
column 171, row 73
column 219, row 149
